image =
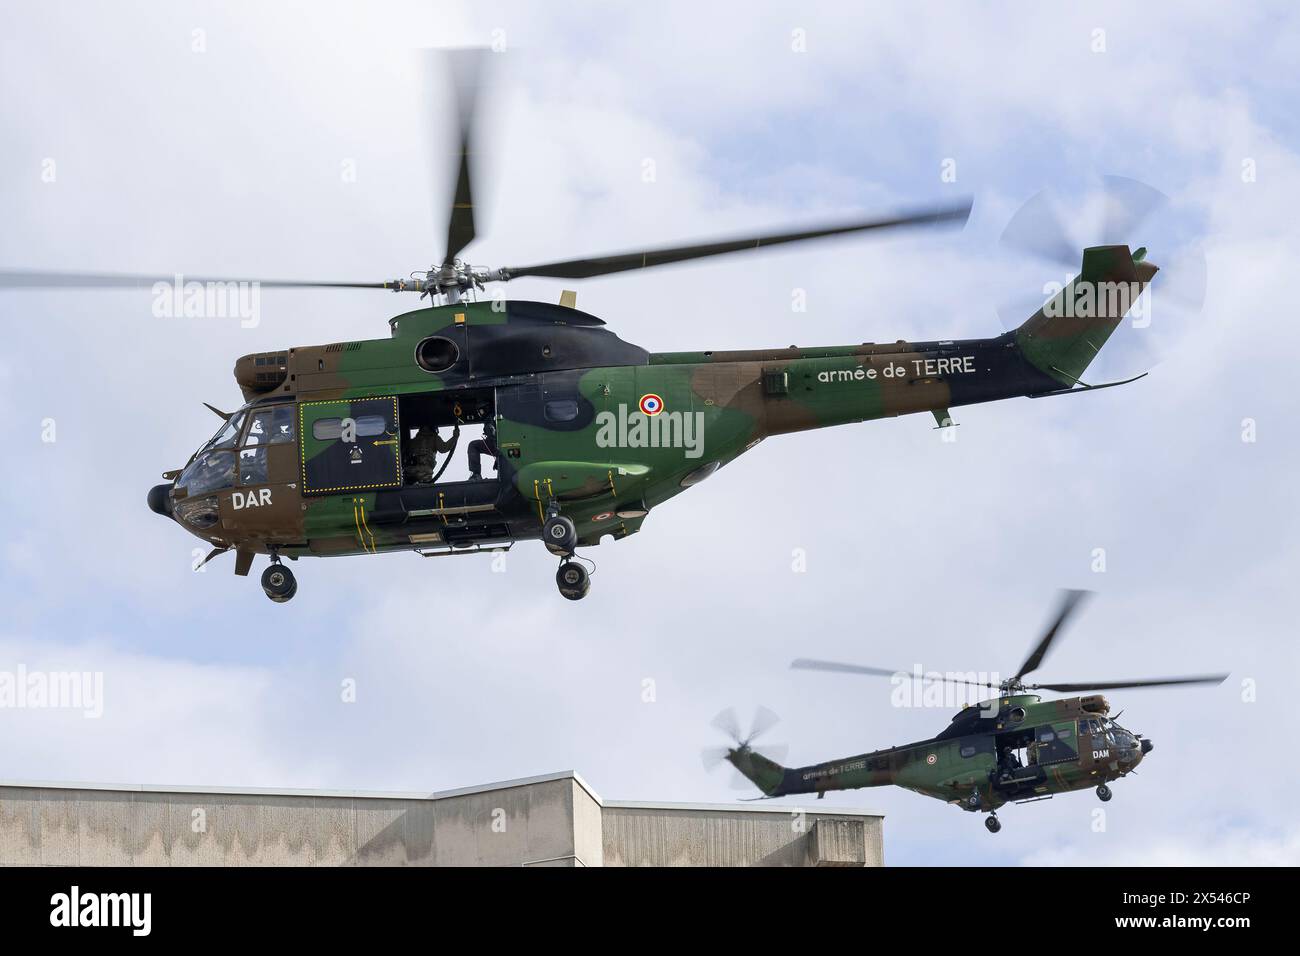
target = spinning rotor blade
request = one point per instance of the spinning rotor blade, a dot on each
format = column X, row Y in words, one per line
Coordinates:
column 1036, row 230
column 593, row 266
column 1123, row 211
column 465, row 67
column 727, row 723
column 1126, row 204
column 806, row 664
column 764, row 720
column 712, row 756
column 1069, row 601
column 30, row 279
column 1122, row 684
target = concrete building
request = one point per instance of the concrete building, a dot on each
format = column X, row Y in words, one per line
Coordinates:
column 553, row 820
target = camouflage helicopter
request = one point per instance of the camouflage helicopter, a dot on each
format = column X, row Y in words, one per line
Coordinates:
column 587, row 433
column 1014, row 748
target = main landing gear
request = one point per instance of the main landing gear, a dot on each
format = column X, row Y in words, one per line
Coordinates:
column 573, row 580
column 993, row 823
column 1103, row 793
column 278, row 582
column 560, row 536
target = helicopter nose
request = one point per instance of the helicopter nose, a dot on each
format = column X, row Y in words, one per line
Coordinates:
column 1146, row 746
column 160, row 500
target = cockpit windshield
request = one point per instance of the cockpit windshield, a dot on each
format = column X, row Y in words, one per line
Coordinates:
column 229, row 433
column 211, row 467
column 210, row 471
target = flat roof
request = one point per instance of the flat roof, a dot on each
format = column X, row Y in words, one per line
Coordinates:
column 755, row 806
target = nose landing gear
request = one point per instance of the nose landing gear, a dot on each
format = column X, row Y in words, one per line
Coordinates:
column 1103, row 793
column 993, row 823
column 278, row 582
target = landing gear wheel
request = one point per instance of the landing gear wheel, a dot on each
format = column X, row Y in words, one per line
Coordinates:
column 560, row 535
column 992, row 823
column 1103, row 793
column 973, row 801
column 573, row 580
column 279, row 583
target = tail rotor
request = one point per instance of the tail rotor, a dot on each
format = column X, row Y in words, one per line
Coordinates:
column 742, row 752
column 1120, row 211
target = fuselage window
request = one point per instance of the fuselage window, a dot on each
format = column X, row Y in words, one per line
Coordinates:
column 968, row 750
column 561, row 410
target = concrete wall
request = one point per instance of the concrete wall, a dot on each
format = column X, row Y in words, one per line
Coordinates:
column 663, row 835
column 556, row 820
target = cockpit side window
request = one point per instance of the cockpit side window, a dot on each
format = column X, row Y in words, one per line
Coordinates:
column 270, row 426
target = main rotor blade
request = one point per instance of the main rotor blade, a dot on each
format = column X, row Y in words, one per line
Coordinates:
column 807, row 664
column 593, row 266
column 31, row 279
column 465, row 68
column 1069, row 601
column 1121, row 684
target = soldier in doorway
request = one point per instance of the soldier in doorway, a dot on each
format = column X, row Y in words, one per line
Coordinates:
column 422, row 454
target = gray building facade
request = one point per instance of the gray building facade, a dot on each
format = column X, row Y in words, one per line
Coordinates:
column 551, row 820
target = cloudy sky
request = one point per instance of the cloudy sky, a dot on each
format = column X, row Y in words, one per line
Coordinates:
column 214, row 138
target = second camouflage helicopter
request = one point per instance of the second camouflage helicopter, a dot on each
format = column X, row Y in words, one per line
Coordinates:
column 1014, row 748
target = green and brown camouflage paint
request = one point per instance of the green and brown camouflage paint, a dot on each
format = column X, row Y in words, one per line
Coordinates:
column 521, row 357
column 959, row 766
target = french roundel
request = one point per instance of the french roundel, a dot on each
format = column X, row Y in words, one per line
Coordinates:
column 651, row 404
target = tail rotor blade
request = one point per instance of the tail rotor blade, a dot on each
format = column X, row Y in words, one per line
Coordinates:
column 1126, row 204
column 1036, row 230
column 764, row 720
column 711, row 757
column 726, row 722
